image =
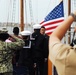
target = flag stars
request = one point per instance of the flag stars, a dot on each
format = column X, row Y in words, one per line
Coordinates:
column 57, row 12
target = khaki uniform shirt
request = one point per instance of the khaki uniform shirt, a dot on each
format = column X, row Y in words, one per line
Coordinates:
column 63, row 57
column 6, row 51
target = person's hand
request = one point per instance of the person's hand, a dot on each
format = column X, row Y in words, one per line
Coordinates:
column 45, row 60
column 34, row 65
column 11, row 38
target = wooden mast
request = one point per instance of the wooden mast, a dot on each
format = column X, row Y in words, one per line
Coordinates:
column 22, row 15
column 69, row 10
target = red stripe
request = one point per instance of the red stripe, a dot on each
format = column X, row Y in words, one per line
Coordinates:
column 51, row 23
column 51, row 28
column 42, row 22
column 48, row 33
column 54, row 22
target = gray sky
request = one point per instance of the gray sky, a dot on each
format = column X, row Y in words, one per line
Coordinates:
column 40, row 8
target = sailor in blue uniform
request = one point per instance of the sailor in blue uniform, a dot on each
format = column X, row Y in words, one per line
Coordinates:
column 38, row 50
column 25, row 58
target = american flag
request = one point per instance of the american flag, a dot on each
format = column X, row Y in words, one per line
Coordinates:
column 54, row 18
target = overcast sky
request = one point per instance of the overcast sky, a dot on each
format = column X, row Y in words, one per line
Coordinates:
column 40, row 8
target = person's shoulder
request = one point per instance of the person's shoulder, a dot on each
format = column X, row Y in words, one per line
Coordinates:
column 19, row 37
column 59, row 46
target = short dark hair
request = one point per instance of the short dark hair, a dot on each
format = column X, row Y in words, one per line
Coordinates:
column 4, row 36
column 16, row 30
column 42, row 27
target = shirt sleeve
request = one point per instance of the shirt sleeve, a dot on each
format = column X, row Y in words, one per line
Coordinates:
column 58, row 51
column 15, row 45
column 63, row 58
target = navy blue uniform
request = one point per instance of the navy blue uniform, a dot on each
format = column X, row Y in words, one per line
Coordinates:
column 38, row 52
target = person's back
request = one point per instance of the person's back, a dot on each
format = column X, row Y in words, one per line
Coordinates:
column 38, row 49
column 25, row 58
column 16, row 53
column 25, row 53
column 38, row 46
column 16, row 32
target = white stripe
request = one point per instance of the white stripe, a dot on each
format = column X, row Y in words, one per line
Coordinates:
column 53, row 20
column 52, row 25
column 49, row 31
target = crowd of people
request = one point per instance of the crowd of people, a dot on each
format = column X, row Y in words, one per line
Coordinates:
column 24, row 53
column 7, row 48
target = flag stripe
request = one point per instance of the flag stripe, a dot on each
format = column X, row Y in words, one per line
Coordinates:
column 52, row 25
column 48, row 33
column 49, row 23
column 51, row 28
column 42, row 22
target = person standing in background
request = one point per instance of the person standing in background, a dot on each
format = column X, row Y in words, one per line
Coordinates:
column 38, row 50
column 16, row 53
column 16, row 32
column 25, row 58
column 46, row 50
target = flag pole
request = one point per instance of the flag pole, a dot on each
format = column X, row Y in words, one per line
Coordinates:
column 22, row 15
column 69, row 11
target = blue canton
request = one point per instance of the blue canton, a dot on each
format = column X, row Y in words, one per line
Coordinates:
column 57, row 12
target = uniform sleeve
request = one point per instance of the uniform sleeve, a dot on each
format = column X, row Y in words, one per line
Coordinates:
column 58, row 51
column 15, row 45
column 63, row 57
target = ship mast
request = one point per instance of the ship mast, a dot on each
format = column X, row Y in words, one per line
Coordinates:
column 69, row 10
column 22, row 15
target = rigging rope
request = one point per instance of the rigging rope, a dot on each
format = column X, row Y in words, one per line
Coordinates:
column 13, row 12
column 9, row 7
column 18, row 11
column 25, row 15
column 31, row 12
column 48, row 6
column 37, row 11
